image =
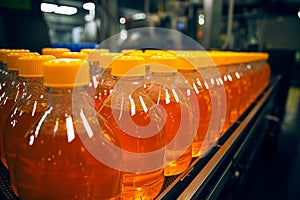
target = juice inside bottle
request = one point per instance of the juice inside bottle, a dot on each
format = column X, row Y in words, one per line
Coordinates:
column 192, row 85
column 12, row 93
column 26, row 111
column 179, row 126
column 135, row 121
column 101, row 78
column 54, row 160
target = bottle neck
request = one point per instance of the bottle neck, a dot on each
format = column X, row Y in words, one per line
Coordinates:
column 128, row 83
column 163, row 78
column 34, row 86
column 64, row 99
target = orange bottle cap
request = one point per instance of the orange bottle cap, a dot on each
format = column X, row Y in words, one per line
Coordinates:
column 76, row 55
column 66, row 72
column 88, row 51
column 163, row 63
column 128, row 66
column 57, row 52
column 13, row 59
column 32, row 65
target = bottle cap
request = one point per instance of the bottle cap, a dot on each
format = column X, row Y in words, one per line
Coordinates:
column 5, row 52
column 66, row 72
column 104, row 59
column 88, row 51
column 188, row 62
column 128, row 66
column 156, row 51
column 146, row 56
column 76, row 55
column 13, row 59
column 32, row 65
column 57, row 52
column 127, row 51
column 163, row 63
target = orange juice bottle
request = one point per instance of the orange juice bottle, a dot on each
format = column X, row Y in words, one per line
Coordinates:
column 191, row 83
column 176, row 109
column 7, row 75
column 136, row 122
column 57, row 52
column 101, row 78
column 220, row 95
column 28, row 109
column 13, row 92
column 59, row 156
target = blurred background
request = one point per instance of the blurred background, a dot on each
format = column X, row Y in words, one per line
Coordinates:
column 272, row 26
column 240, row 25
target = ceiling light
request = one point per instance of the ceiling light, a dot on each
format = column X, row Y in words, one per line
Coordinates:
column 48, row 7
column 122, row 20
column 139, row 16
column 65, row 10
column 89, row 6
column 299, row 13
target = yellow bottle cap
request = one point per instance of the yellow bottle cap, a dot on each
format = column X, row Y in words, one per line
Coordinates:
column 76, row 55
column 66, row 72
column 5, row 52
column 163, row 63
column 106, row 59
column 88, row 51
column 13, row 59
column 188, row 62
column 146, row 56
column 57, row 52
column 127, row 51
column 32, row 65
column 128, row 66
column 156, row 51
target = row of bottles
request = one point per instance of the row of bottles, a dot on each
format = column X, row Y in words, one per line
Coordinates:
column 113, row 125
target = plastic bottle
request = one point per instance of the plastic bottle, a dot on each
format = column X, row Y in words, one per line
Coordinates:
column 192, row 86
column 57, row 52
column 103, row 82
column 27, row 110
column 228, row 69
column 54, row 160
column 135, row 120
column 13, row 92
column 179, row 126
column 219, row 78
column 7, row 75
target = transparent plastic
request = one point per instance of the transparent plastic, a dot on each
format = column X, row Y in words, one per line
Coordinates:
column 193, row 87
column 53, row 161
column 179, row 121
column 129, row 111
column 20, row 119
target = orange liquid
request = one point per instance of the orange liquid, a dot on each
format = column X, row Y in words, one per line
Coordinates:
column 143, row 185
column 100, row 95
column 15, row 129
column 4, row 112
column 201, row 142
column 172, row 125
column 50, row 167
column 179, row 153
